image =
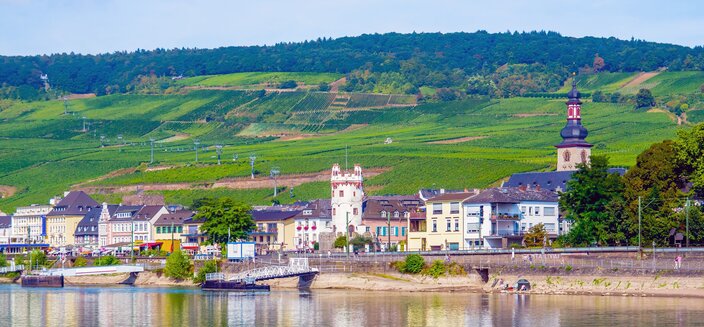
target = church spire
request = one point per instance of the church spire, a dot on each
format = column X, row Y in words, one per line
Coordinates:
column 574, row 148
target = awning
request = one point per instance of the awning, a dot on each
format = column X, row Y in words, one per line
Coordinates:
column 190, row 247
column 150, row 244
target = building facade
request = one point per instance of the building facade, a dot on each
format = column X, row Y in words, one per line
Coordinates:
column 29, row 224
column 87, row 233
column 315, row 217
column 64, row 218
column 275, row 230
column 386, row 219
column 443, row 224
column 5, row 229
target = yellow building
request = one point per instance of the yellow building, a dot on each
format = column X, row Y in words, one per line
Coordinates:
column 62, row 220
column 275, row 230
column 168, row 229
column 444, row 224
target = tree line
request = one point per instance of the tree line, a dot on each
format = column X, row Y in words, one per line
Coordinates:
column 656, row 199
column 501, row 64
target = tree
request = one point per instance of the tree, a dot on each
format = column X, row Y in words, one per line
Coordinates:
column 226, row 219
column 38, row 258
column 288, row 84
column 598, row 63
column 590, row 199
column 323, row 87
column 80, row 262
column 108, row 260
column 360, row 241
column 209, row 267
column 536, row 236
column 689, row 147
column 3, row 260
column 598, row 96
column 340, row 242
column 178, row 265
column 644, row 99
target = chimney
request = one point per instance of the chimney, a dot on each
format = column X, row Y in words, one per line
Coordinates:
column 537, row 187
column 522, row 188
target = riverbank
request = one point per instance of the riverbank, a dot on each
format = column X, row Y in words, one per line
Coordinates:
column 146, row 278
column 623, row 285
column 393, row 282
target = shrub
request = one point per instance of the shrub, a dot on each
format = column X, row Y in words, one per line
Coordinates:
column 316, row 246
column 455, row 269
column 38, row 258
column 398, row 265
column 209, row 266
column 436, row 270
column 108, row 260
column 178, row 266
column 3, row 260
column 20, row 260
column 340, row 242
column 568, row 268
column 80, row 262
column 414, row 264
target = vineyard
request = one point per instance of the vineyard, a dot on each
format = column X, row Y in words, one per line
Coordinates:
column 254, row 78
column 46, row 151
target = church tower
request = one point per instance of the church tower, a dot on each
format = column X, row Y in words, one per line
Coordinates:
column 574, row 149
column 347, row 198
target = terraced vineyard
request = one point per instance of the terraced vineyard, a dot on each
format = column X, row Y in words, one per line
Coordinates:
column 45, row 152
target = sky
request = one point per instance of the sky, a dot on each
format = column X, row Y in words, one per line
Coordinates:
column 31, row 27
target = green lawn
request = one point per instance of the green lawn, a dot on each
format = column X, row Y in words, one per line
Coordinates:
column 242, row 79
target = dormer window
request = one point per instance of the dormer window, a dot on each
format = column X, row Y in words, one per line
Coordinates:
column 383, row 214
column 307, row 212
column 395, row 214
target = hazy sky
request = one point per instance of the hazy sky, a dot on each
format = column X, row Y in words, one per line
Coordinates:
column 52, row 26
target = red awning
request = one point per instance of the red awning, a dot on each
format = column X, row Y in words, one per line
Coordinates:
column 190, row 247
column 151, row 244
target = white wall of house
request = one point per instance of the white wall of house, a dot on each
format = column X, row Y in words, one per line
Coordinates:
column 540, row 212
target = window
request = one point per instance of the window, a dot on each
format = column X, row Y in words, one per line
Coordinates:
column 342, row 193
column 523, row 210
column 158, row 229
column 472, row 227
column 395, row 214
column 180, row 229
column 449, row 225
column 355, row 211
column 368, row 229
column 395, row 230
column 435, row 225
column 437, row 208
column 383, row 214
column 333, row 211
column 523, row 227
column 537, row 211
column 307, row 212
column 378, row 230
column 457, row 225
column 530, row 211
column 403, row 231
column 549, row 211
column 383, row 231
column 454, row 207
column 550, row 227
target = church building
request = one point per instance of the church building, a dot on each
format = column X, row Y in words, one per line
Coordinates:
column 574, row 149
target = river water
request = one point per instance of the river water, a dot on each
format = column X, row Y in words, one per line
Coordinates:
column 143, row 306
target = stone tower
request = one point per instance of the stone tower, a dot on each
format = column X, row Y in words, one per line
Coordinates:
column 574, row 149
column 347, row 197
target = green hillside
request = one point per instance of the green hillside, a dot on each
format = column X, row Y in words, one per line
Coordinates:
column 255, row 78
column 469, row 143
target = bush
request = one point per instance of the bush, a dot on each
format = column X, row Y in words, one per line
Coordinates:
column 20, row 260
column 108, row 260
column 178, row 266
column 288, row 84
column 209, row 266
column 414, row 264
column 38, row 258
column 3, row 260
column 80, row 262
column 398, row 265
column 568, row 268
column 340, row 242
column 435, row 270
column 455, row 269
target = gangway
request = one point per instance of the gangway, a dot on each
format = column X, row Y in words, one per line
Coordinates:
column 298, row 267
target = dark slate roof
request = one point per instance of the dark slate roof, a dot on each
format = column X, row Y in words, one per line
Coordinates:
column 427, row 193
column 91, row 220
column 374, row 205
column 5, row 221
column 74, row 203
column 148, row 212
column 512, row 195
column 452, row 196
column 321, row 209
column 549, row 180
column 131, row 209
column 267, row 215
column 192, row 220
column 175, row 218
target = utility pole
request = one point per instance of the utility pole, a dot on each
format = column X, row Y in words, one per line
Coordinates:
column 172, row 237
column 84, row 124
column 252, row 157
column 65, row 105
column 388, row 223
column 196, row 143
column 347, row 231
column 151, row 140
column 639, row 219
column 132, row 246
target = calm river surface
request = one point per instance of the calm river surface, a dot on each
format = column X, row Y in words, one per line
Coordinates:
column 142, row 306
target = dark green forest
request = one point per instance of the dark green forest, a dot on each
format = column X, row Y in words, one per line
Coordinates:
column 501, row 64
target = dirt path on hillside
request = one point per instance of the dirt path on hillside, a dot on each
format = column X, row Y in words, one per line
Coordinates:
column 7, row 191
column 335, row 86
column 672, row 116
column 458, row 140
column 639, row 79
column 294, row 137
column 231, row 183
column 177, row 137
column 80, row 96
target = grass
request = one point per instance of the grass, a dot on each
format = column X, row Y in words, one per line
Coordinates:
column 242, row 79
column 45, row 152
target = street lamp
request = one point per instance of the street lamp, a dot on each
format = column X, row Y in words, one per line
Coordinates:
column 347, row 230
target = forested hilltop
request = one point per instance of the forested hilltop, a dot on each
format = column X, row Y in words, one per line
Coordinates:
column 502, row 64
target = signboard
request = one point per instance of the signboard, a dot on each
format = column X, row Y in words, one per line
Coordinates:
column 240, row 250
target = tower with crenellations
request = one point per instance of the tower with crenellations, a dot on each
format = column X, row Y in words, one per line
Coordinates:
column 347, row 198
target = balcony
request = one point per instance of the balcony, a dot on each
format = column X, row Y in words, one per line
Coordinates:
column 264, row 231
column 506, row 216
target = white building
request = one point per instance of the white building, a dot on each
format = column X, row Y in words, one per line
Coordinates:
column 29, row 224
column 313, row 219
column 346, row 199
column 5, row 229
column 499, row 217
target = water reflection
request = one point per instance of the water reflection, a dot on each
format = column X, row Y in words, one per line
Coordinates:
column 133, row 306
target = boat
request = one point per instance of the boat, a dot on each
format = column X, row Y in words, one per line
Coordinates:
column 223, row 285
column 42, row 281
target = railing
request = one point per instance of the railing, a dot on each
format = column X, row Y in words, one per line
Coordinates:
column 215, row 276
column 5, row 270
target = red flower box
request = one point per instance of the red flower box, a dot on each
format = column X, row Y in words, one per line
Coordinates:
column 299, row 227
column 313, row 228
column 306, row 228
